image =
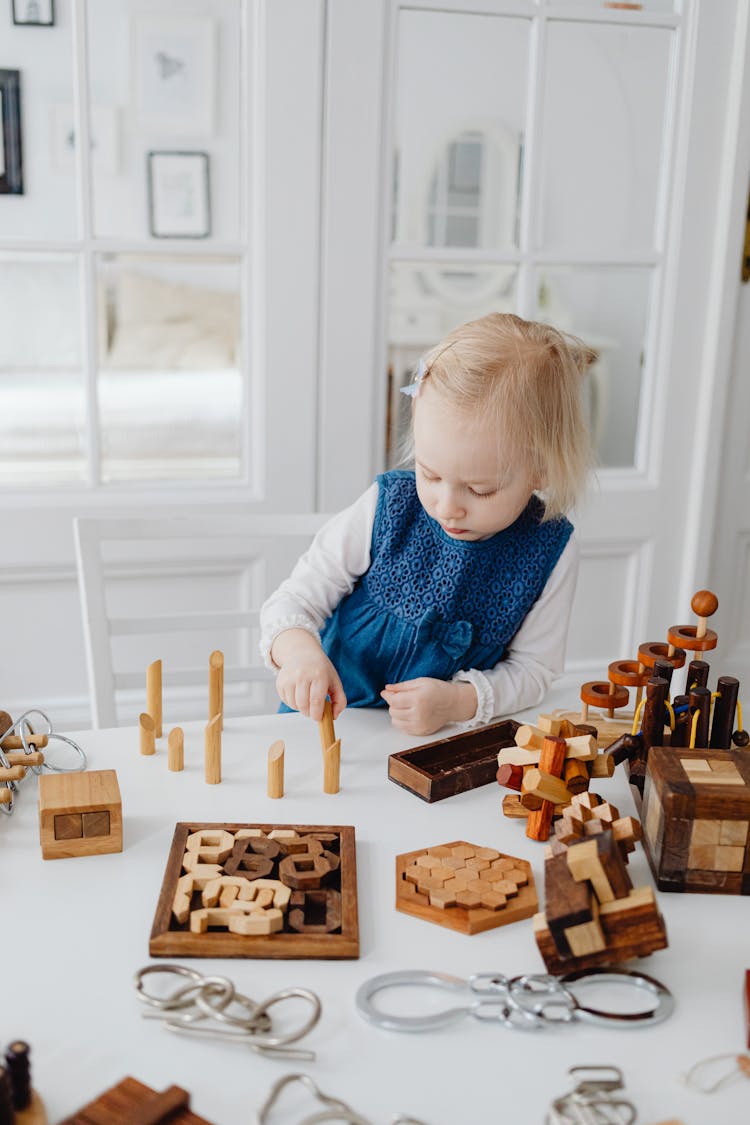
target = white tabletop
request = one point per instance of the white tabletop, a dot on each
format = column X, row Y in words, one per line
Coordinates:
column 75, row 931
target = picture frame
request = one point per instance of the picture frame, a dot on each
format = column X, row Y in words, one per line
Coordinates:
column 11, row 158
column 33, row 13
column 179, row 203
column 174, row 74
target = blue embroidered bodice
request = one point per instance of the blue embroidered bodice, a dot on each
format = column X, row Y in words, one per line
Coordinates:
column 430, row 605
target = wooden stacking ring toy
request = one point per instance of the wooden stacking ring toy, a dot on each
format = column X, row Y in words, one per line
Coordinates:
column 687, row 637
column 627, row 673
column 652, row 651
column 604, row 694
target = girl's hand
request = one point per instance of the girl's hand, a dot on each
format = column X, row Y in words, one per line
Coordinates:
column 424, row 705
column 306, row 675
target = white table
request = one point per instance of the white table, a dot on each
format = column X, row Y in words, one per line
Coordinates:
column 75, row 930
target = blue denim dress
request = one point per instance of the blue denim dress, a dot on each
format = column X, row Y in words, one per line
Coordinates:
column 430, row 605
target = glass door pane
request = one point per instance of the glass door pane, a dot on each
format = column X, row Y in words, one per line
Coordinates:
column 166, row 81
column 459, row 127
column 604, row 110
column 42, row 397
column 170, row 390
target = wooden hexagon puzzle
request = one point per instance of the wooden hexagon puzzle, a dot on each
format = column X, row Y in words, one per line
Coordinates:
column 465, row 887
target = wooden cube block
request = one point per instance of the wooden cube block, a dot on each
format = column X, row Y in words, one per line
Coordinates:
column 79, row 814
column 696, row 819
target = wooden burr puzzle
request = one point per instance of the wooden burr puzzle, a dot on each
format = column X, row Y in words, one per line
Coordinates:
column 452, row 765
column 593, row 915
column 464, row 887
column 258, row 890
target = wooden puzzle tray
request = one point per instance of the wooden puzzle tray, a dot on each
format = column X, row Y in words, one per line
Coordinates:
column 258, row 890
column 452, row 765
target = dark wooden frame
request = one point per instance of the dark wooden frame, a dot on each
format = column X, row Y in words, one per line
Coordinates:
column 206, row 183
column 169, row 939
column 11, row 180
column 33, row 23
column 452, row 765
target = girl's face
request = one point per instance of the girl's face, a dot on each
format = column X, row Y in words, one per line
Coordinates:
column 464, row 481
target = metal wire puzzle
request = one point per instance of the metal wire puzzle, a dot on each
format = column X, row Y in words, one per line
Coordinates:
column 13, row 771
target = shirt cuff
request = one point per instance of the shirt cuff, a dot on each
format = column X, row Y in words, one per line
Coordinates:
column 296, row 621
column 485, row 697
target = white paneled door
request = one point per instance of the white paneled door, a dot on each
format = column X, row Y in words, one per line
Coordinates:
column 359, row 178
column 572, row 162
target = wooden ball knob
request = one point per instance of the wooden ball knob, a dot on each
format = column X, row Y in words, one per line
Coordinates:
column 704, row 603
column 741, row 738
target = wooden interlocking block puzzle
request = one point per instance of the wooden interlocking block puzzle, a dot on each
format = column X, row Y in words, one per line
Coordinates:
column 79, row 814
column 464, row 887
column 696, row 819
column 261, row 890
column 137, row 1104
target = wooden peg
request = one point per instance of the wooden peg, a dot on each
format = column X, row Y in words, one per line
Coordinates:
column 213, row 751
column 331, row 763
column 176, row 750
column 704, row 605
column 216, row 686
column 153, row 697
column 14, row 773
column 18, row 758
column 5, row 796
column 147, row 729
column 276, row 770
column 325, row 726
column 14, row 741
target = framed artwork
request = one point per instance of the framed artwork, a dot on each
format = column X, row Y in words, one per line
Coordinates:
column 11, row 165
column 174, row 79
column 105, row 140
column 179, row 203
column 33, row 13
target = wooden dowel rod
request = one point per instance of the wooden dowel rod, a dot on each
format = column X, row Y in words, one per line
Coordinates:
column 147, row 729
column 5, row 796
column 325, row 726
column 213, row 751
column 15, row 773
column 13, row 741
column 216, row 686
column 18, row 758
column 153, row 696
column 331, row 767
column 275, row 786
column 176, row 750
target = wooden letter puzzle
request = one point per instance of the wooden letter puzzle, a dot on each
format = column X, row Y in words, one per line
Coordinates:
column 258, row 890
column 464, row 887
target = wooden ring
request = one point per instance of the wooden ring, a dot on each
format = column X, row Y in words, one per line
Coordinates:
column 628, row 673
column 683, row 636
column 600, row 694
column 651, row 651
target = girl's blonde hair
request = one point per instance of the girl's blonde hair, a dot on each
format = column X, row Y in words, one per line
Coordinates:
column 523, row 378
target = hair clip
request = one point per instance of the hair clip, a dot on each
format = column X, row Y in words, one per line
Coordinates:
column 413, row 389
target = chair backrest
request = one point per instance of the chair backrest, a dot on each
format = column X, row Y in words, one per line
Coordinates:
column 149, row 586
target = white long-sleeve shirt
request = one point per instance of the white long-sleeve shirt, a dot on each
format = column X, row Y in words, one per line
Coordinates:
column 340, row 554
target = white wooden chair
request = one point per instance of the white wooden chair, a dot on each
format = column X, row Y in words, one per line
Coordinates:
column 201, row 558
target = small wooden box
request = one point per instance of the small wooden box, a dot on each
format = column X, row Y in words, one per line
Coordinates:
column 696, row 819
column 452, row 765
column 79, row 814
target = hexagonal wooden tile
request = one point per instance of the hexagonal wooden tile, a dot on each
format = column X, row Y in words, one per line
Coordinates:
column 465, row 887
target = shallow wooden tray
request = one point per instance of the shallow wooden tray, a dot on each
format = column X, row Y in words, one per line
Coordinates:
column 452, row 765
column 172, row 939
